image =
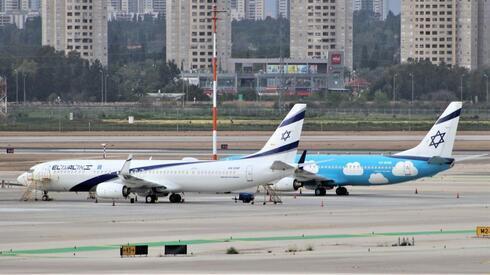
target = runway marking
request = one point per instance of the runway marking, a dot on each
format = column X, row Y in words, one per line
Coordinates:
column 243, row 239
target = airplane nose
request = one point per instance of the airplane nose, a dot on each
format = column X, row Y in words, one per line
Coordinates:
column 22, row 179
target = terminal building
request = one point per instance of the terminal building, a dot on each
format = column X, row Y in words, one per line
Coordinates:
column 271, row 76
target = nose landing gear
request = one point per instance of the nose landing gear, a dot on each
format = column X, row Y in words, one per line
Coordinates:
column 45, row 196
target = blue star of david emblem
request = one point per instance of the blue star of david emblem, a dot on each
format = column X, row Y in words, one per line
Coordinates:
column 434, row 137
column 286, row 135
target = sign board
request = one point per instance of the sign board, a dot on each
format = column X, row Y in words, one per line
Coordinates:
column 176, row 249
column 483, row 231
column 133, row 250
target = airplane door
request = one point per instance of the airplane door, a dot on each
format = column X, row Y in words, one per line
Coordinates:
column 250, row 173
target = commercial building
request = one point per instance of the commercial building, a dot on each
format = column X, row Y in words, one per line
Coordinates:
column 446, row 31
column 271, row 76
column 189, row 34
column 76, row 26
column 320, row 26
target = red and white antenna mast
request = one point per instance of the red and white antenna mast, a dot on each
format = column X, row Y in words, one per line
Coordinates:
column 215, row 82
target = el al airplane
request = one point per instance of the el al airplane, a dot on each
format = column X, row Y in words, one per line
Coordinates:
column 431, row 156
column 114, row 179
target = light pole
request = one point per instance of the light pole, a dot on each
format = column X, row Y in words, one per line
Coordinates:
column 25, row 76
column 394, row 87
column 411, row 104
column 394, row 92
column 462, row 76
column 16, row 86
column 101, row 86
column 105, row 93
column 486, row 77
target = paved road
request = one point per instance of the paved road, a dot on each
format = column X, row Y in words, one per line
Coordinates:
column 255, row 138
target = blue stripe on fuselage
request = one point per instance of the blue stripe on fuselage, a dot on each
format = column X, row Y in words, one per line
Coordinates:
column 91, row 183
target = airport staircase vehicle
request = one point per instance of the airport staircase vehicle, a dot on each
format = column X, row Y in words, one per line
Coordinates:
column 30, row 189
column 271, row 192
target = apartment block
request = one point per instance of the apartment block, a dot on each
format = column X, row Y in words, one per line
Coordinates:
column 189, row 34
column 283, row 8
column 446, row 31
column 76, row 26
column 376, row 6
column 320, row 26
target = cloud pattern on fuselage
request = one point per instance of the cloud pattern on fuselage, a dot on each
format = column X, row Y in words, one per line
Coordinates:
column 404, row 169
column 377, row 178
column 353, row 169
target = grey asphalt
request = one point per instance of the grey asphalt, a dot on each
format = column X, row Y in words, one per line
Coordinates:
column 455, row 200
column 237, row 138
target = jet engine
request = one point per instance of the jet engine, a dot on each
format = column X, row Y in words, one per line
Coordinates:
column 112, row 190
column 287, row 184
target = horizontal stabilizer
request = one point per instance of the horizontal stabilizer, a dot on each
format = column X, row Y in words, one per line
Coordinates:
column 304, row 175
column 470, row 157
column 439, row 160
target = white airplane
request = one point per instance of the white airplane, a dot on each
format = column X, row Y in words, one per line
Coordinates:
column 115, row 179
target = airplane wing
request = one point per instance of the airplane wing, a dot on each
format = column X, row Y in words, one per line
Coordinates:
column 133, row 181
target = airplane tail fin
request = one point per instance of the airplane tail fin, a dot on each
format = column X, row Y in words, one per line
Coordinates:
column 283, row 144
column 439, row 141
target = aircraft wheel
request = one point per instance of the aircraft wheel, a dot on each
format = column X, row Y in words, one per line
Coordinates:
column 320, row 192
column 175, row 198
column 341, row 191
column 150, row 199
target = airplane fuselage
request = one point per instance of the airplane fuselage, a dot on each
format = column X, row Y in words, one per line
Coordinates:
column 174, row 176
column 374, row 169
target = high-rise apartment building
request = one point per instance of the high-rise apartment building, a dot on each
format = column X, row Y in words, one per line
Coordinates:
column 455, row 32
column 237, row 9
column 159, row 6
column 254, row 9
column 10, row 5
column 76, row 26
column 189, row 34
column 283, row 8
column 376, row 6
column 320, row 26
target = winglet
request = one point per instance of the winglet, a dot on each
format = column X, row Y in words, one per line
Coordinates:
column 125, row 168
column 302, row 158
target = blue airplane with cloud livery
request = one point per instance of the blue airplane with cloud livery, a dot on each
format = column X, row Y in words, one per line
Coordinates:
column 431, row 156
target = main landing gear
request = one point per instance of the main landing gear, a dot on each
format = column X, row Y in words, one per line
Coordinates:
column 341, row 191
column 320, row 191
column 175, row 198
column 151, row 198
column 45, row 196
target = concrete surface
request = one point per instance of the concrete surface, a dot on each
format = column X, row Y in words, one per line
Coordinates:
column 351, row 234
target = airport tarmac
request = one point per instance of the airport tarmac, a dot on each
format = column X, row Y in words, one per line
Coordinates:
column 304, row 234
column 353, row 234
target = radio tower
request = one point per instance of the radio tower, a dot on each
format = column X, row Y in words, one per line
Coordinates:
column 215, row 82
